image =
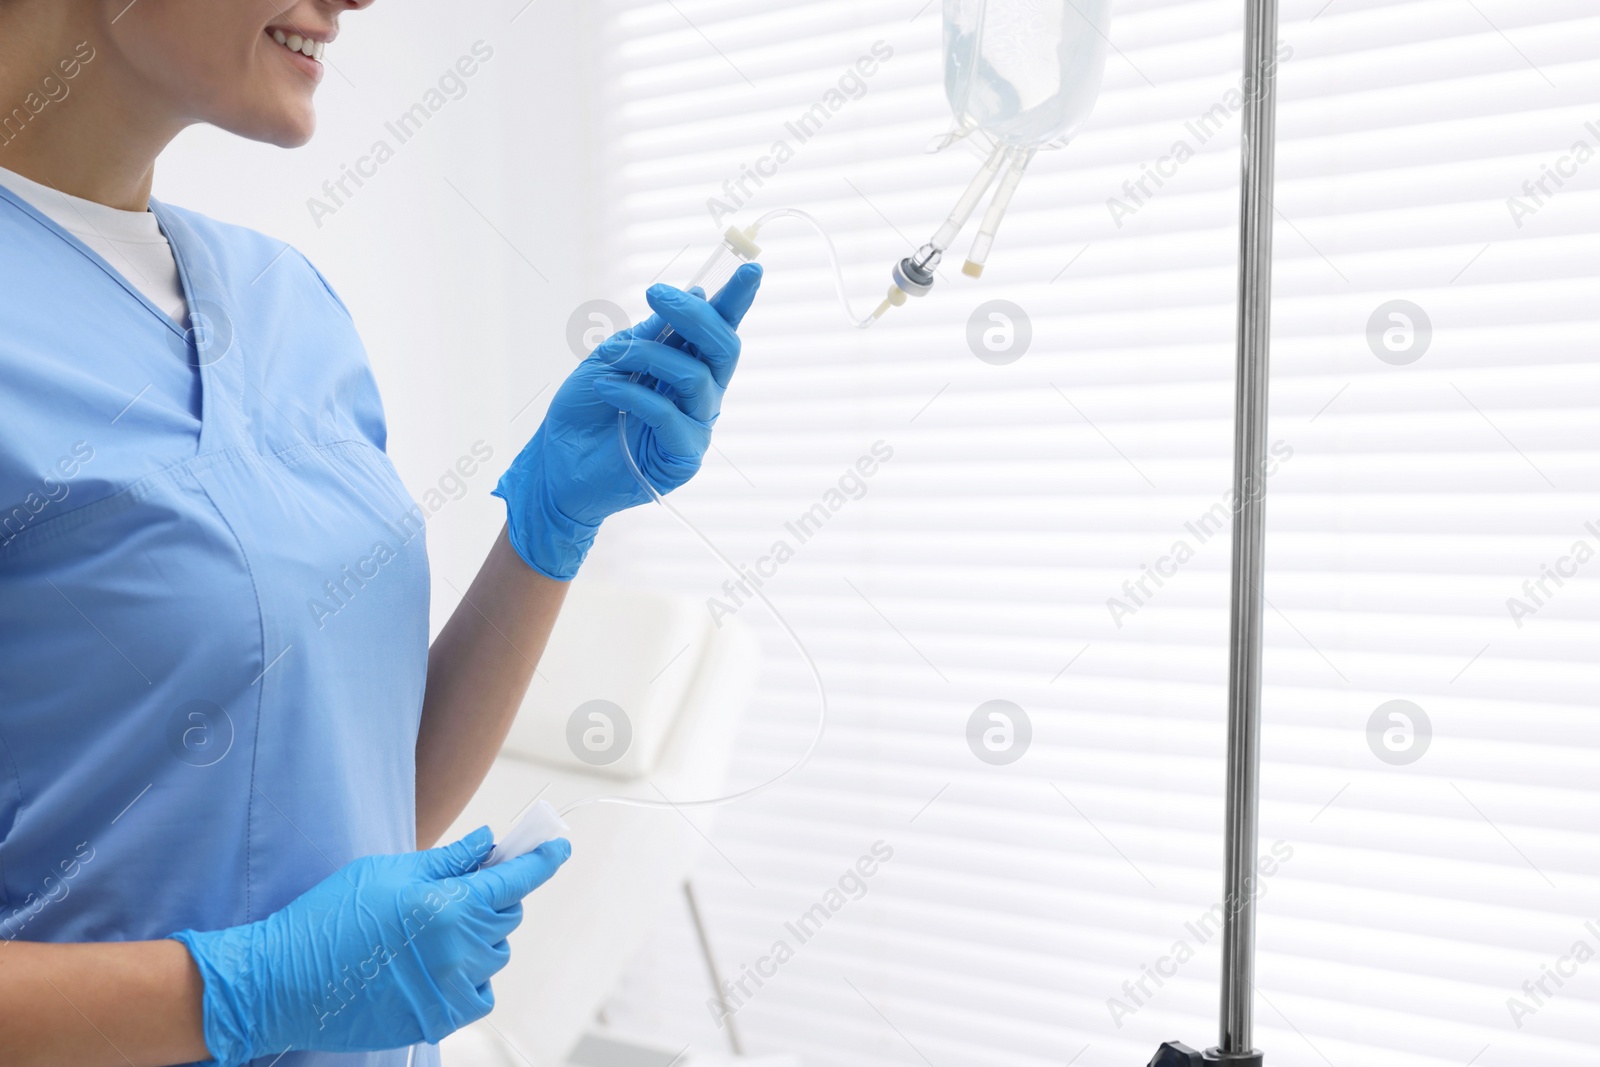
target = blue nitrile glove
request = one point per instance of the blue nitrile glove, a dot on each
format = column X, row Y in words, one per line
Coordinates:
column 573, row 474
column 386, row 952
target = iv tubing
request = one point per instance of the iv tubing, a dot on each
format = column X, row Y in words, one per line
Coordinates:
column 716, row 270
column 789, row 631
column 738, row 248
column 833, row 258
column 1020, row 158
column 969, row 200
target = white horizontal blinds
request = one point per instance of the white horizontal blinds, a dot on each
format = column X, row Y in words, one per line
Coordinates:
column 1409, row 502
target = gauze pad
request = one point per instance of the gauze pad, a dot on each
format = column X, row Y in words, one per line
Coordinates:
column 538, row 824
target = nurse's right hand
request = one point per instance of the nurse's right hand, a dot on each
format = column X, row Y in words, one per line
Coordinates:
column 577, row 469
column 386, row 952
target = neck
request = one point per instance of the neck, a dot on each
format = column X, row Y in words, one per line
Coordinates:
column 70, row 115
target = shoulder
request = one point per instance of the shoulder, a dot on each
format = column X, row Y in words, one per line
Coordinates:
column 246, row 258
column 286, row 319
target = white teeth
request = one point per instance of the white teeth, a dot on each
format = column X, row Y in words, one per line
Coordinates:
column 304, row 45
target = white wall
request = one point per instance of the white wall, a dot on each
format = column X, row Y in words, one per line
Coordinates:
column 461, row 330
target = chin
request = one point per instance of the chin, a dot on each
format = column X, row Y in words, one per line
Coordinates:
column 290, row 129
column 295, row 136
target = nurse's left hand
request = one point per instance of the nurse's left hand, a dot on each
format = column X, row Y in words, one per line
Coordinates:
column 388, row 951
column 573, row 474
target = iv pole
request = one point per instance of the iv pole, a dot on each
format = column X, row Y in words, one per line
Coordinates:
column 1258, row 136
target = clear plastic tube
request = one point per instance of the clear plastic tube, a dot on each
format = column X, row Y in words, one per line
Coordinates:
column 1020, row 157
column 969, row 200
column 717, row 269
column 859, row 322
column 737, row 248
column 777, row 616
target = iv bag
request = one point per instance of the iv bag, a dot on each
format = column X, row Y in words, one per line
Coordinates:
column 1021, row 75
column 1024, row 72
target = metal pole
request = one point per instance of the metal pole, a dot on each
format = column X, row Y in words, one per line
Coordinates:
column 1249, row 527
column 711, row 967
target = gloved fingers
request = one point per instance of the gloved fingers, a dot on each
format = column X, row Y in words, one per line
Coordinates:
column 653, row 326
column 698, row 394
column 494, row 960
column 507, row 883
column 469, row 1001
column 460, row 857
column 735, row 298
column 497, row 926
column 700, row 324
column 482, row 999
column 678, row 434
column 731, row 302
column 647, row 330
column 484, row 962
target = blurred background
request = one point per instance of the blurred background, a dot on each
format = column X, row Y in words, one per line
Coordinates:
column 1434, row 513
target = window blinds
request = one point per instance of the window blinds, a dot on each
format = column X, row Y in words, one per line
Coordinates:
column 1429, row 801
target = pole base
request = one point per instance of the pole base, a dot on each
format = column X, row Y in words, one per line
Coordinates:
column 1177, row 1054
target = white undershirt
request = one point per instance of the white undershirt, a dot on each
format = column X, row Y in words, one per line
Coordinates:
column 131, row 241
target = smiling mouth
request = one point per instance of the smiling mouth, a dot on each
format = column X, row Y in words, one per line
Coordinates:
column 303, row 45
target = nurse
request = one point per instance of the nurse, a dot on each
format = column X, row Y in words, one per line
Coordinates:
column 223, row 733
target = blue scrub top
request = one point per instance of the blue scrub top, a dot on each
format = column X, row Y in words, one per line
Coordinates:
column 213, row 593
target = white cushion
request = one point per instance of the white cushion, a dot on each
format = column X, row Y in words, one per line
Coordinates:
column 628, row 864
column 636, row 650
